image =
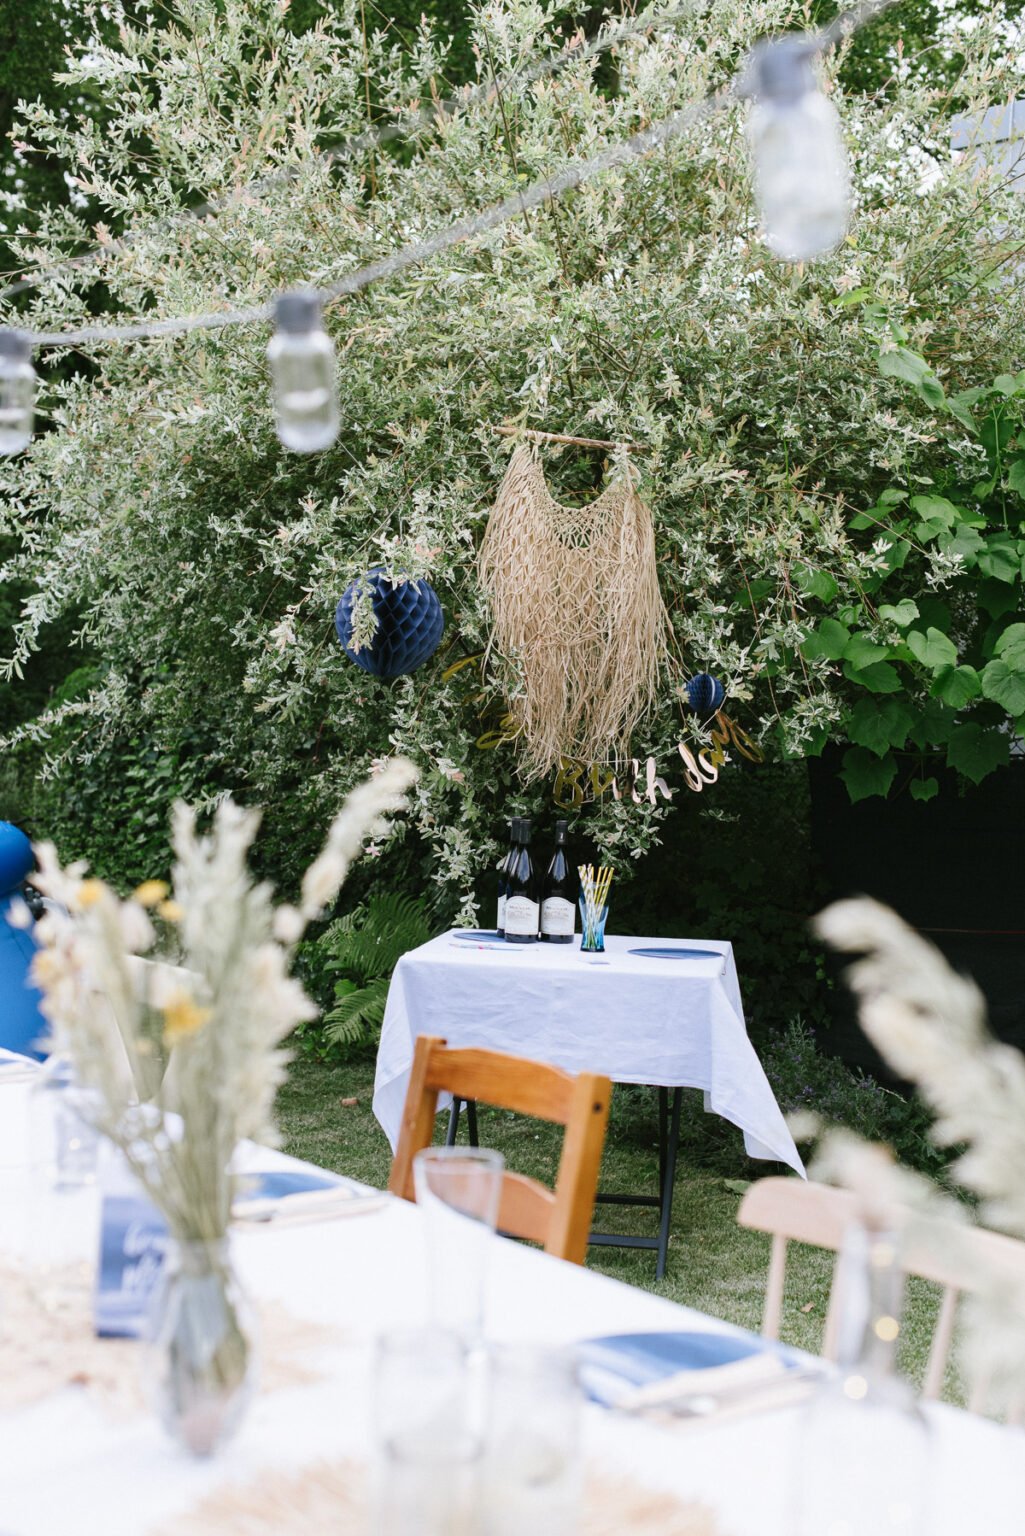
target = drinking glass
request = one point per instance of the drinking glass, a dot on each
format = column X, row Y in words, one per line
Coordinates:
column 458, row 1189
column 592, row 933
column 427, row 1468
column 532, row 1463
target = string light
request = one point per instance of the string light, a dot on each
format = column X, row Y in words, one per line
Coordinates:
column 302, row 361
column 801, row 180
column 791, row 124
column 17, row 391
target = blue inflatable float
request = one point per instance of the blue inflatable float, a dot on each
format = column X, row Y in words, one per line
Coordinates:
column 22, row 1025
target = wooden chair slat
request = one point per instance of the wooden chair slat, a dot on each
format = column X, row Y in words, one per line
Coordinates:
column 959, row 1257
column 558, row 1219
column 490, row 1076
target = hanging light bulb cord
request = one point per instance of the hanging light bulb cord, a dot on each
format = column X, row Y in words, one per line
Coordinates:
column 545, row 189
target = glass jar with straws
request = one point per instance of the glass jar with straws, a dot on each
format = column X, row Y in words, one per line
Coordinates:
column 594, row 905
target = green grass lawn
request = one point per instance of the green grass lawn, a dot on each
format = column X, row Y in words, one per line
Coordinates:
column 713, row 1264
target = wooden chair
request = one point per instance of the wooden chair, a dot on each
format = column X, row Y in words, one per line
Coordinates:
column 559, row 1220
column 949, row 1254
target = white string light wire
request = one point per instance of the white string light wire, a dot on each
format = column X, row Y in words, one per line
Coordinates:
column 545, row 189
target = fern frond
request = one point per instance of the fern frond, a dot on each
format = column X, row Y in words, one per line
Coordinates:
column 356, row 1015
column 369, row 942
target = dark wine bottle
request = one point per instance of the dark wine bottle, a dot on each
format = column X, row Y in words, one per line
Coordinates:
column 521, row 905
column 558, row 894
column 503, row 873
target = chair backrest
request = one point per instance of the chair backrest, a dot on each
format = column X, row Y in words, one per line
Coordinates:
column 559, row 1219
column 956, row 1256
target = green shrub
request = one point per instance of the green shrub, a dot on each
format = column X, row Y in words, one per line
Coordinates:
column 804, row 1076
column 357, row 954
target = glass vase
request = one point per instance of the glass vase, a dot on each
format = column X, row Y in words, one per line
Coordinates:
column 592, row 933
column 864, row 1466
column 201, row 1361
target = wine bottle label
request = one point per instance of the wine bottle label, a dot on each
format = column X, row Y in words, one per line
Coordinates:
column 501, row 912
column 521, row 916
column 558, row 917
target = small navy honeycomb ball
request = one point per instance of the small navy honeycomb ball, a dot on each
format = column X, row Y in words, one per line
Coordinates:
column 410, row 624
column 705, row 695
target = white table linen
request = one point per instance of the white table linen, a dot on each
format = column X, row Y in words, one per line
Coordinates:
column 676, row 1023
column 70, row 1466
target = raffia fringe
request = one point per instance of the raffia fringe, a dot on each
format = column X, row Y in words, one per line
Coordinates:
column 579, row 623
column 333, row 1496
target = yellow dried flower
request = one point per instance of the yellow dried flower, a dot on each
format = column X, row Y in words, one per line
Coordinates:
column 47, row 968
column 150, row 892
column 182, row 1017
column 89, row 893
column 171, row 911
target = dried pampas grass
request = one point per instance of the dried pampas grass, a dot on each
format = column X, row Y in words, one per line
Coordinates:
column 578, row 617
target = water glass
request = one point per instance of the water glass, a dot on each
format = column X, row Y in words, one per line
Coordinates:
column 427, row 1471
column 459, row 1190
column 592, row 934
column 532, row 1465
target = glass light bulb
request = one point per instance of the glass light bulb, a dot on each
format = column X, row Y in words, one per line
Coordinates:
column 801, row 180
column 17, row 391
column 302, row 361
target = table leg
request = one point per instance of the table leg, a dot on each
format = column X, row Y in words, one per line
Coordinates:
column 668, row 1146
column 453, row 1122
column 667, row 1178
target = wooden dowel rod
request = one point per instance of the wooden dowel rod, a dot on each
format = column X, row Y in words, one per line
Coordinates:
column 563, row 437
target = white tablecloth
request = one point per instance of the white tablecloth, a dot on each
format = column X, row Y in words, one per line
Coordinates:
column 677, row 1023
column 69, row 1467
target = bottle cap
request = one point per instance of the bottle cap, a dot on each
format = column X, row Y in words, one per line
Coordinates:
column 298, row 313
column 14, row 344
column 560, row 828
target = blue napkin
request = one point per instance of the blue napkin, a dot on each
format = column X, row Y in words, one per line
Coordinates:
column 278, row 1183
column 609, row 1367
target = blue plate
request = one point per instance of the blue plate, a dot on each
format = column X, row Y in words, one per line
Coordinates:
column 678, row 952
column 611, row 1367
column 479, row 933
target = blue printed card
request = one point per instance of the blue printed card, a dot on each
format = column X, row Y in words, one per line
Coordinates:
column 133, row 1240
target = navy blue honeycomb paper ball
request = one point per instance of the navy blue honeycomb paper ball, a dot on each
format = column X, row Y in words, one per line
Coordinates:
column 409, row 624
column 705, row 695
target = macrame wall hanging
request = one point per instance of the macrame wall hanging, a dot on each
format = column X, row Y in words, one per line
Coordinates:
column 579, row 622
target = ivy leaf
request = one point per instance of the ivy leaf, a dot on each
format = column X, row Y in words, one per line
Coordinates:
column 1000, row 558
column 956, row 686
column 902, row 613
column 828, row 641
column 856, row 296
column 1016, row 476
column 1006, row 383
column 965, row 541
column 933, row 649
column 924, row 789
column 975, row 751
column 1011, row 641
column 958, row 408
column 902, row 363
column 865, row 774
column 863, row 652
column 933, row 725
column 936, row 509
column 1004, row 683
column 997, row 598
column 818, row 584
column 878, row 677
column 879, row 724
